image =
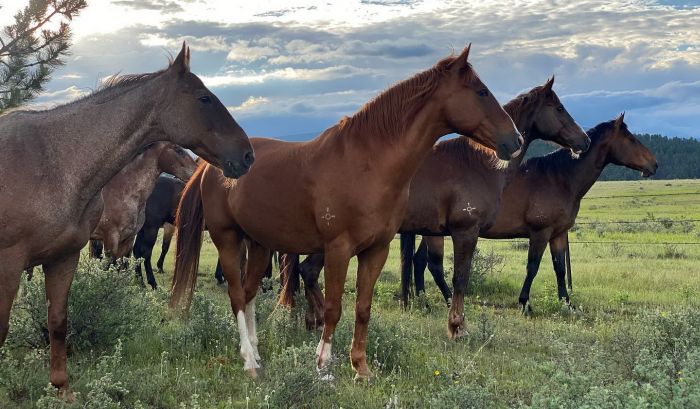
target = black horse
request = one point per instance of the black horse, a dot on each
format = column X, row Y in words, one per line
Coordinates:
column 161, row 207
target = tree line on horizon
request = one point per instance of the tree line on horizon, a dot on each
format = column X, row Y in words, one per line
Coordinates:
column 679, row 158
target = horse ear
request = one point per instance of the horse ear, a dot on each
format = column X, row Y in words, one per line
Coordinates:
column 462, row 61
column 620, row 120
column 548, row 85
column 182, row 61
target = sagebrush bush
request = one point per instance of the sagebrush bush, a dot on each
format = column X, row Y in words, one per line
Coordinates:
column 292, row 379
column 207, row 327
column 104, row 304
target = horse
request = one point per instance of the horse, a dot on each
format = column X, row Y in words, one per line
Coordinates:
column 343, row 192
column 542, row 201
column 161, row 208
column 126, row 193
column 54, row 163
column 457, row 189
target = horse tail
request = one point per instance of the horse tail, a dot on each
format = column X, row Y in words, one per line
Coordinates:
column 408, row 245
column 289, row 273
column 190, row 224
column 568, row 263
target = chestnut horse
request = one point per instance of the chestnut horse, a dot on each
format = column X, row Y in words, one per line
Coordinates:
column 343, row 193
column 457, row 189
column 54, row 164
column 546, row 213
column 126, row 193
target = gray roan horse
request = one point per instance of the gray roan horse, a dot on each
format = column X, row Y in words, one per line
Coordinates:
column 126, row 193
column 54, row 163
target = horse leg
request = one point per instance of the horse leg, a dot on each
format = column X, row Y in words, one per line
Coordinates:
column 59, row 276
column 219, row 273
column 464, row 246
column 168, row 231
column 228, row 243
column 408, row 243
column 310, row 270
column 111, row 247
column 538, row 242
column 337, row 258
column 149, row 268
column 420, row 261
column 557, row 247
column 143, row 249
column 370, row 263
column 435, row 256
column 9, row 285
column 96, row 249
column 258, row 262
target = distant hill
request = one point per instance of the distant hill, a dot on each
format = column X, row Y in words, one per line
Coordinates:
column 678, row 158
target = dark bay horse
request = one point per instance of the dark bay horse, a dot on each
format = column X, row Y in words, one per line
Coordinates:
column 54, row 163
column 126, row 193
column 457, row 189
column 542, row 201
column 161, row 208
column 343, row 193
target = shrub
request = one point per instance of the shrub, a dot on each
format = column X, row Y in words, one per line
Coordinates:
column 104, row 304
column 208, row 327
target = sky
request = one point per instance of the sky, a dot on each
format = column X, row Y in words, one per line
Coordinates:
column 294, row 68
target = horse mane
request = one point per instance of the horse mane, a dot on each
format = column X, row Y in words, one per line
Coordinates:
column 389, row 113
column 520, row 105
column 561, row 159
column 110, row 88
column 472, row 152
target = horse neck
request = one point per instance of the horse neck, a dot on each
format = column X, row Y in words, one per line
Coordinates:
column 585, row 171
column 145, row 166
column 398, row 153
column 105, row 132
column 524, row 120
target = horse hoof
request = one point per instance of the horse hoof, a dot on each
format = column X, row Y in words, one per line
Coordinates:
column 66, row 395
column 252, row 373
column 364, row 377
column 526, row 309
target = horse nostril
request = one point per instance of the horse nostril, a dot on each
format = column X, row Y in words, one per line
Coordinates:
column 248, row 158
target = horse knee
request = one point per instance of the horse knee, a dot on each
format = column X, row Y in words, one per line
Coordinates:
column 332, row 312
column 57, row 325
column 362, row 315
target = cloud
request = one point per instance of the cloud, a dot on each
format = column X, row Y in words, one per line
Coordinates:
column 316, row 62
column 294, row 74
column 163, row 6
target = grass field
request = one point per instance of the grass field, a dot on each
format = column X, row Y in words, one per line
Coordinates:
column 634, row 341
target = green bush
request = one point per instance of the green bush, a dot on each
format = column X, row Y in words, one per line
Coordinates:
column 104, row 304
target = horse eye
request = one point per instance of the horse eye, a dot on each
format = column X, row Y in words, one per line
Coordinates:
column 483, row 92
column 560, row 108
column 205, row 99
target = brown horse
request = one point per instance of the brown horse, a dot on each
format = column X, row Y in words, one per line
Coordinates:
column 542, row 201
column 126, row 193
column 54, row 163
column 343, row 193
column 457, row 189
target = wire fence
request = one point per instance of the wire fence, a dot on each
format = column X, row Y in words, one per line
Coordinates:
column 643, row 195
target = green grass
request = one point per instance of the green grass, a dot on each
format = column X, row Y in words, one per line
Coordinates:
column 631, row 342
